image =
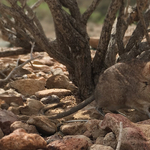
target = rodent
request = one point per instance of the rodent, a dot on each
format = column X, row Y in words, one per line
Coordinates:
column 121, row 86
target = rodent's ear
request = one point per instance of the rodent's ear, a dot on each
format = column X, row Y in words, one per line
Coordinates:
column 146, row 70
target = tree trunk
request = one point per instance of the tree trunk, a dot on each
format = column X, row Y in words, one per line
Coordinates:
column 73, row 41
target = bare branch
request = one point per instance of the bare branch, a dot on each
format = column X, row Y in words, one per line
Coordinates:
column 120, row 25
column 73, row 8
column 139, row 8
column 37, row 4
column 89, row 11
column 138, row 33
column 98, row 61
column 112, row 50
column 16, row 69
column 120, row 137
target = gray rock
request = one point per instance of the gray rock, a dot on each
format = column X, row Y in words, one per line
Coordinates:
column 50, row 99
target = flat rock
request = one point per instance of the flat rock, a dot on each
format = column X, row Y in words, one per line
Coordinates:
column 6, row 119
column 19, row 124
column 43, row 124
column 28, row 87
column 76, row 142
column 48, row 92
column 32, row 107
column 100, row 147
column 20, row 140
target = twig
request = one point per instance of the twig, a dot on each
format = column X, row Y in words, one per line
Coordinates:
column 32, row 47
column 19, row 66
column 37, row 4
column 90, row 10
column 143, row 22
column 120, row 137
column 16, row 69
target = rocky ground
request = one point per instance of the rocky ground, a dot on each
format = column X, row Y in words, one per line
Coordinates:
column 44, row 82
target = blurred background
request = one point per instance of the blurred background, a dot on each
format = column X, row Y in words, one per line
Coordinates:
column 94, row 24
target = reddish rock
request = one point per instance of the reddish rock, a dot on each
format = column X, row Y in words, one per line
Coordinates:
column 58, row 92
column 134, row 136
column 76, row 142
column 19, row 124
column 6, row 119
column 20, row 140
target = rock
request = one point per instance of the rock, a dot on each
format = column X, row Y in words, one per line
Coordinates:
column 10, row 98
column 15, row 110
column 43, row 124
column 3, row 104
column 23, row 118
column 56, row 136
column 73, row 128
column 6, row 119
column 20, row 140
column 56, row 71
column 58, row 92
column 19, row 124
column 35, row 68
column 144, row 122
column 28, row 87
column 61, row 82
column 88, row 112
column 93, row 129
column 46, row 60
column 31, row 108
column 75, row 142
column 2, row 91
column 99, row 140
column 110, row 140
column 1, row 133
column 134, row 136
column 50, row 99
column 21, row 72
column 100, row 147
column 94, row 42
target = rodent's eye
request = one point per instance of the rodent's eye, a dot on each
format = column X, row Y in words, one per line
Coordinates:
column 146, row 83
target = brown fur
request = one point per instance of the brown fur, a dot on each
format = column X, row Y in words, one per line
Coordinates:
column 124, row 85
